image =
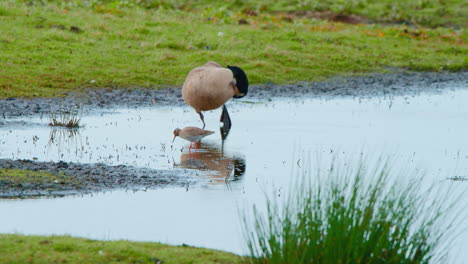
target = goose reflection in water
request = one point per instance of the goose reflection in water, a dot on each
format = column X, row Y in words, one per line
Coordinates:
column 211, row 158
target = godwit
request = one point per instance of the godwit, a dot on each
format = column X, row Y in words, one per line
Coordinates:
column 192, row 134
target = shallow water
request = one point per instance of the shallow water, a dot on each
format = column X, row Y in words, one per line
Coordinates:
column 266, row 145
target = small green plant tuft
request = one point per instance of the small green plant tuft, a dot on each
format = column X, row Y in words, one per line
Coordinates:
column 68, row 119
column 353, row 216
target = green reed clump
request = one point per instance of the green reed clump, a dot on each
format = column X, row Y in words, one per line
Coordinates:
column 353, row 216
column 68, row 119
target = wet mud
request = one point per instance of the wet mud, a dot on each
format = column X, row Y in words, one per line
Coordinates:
column 404, row 83
column 86, row 178
column 99, row 177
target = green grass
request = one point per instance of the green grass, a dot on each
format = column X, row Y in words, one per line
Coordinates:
column 48, row 49
column 431, row 13
column 65, row 249
column 358, row 215
column 21, row 177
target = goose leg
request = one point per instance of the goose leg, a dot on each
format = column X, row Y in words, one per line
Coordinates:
column 225, row 118
column 226, row 123
column 202, row 119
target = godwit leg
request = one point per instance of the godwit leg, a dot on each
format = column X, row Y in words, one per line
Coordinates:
column 197, row 145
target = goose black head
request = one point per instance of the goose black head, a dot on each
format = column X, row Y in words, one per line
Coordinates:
column 242, row 83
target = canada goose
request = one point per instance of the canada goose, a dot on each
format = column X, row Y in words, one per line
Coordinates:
column 192, row 134
column 210, row 86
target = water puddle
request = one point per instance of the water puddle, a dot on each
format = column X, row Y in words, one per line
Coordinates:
column 266, row 143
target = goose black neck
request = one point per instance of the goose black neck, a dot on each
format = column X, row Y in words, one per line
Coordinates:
column 242, row 82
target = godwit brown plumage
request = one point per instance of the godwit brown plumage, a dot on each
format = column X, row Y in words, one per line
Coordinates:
column 192, row 134
column 210, row 86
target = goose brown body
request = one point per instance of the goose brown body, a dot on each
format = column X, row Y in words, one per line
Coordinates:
column 208, row 87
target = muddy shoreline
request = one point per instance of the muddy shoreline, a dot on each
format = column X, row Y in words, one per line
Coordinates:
column 403, row 83
column 87, row 178
column 100, row 177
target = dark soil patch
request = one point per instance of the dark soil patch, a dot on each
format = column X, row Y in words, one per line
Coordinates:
column 326, row 15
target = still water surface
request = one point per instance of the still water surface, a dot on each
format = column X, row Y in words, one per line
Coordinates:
column 267, row 143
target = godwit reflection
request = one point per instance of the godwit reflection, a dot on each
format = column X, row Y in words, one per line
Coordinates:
column 212, row 158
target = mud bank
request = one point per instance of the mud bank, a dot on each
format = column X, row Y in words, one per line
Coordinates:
column 404, row 83
column 87, row 178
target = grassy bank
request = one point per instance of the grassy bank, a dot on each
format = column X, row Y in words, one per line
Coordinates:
column 48, row 48
column 65, row 249
column 451, row 13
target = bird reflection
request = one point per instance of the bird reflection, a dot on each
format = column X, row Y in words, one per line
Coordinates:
column 211, row 157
